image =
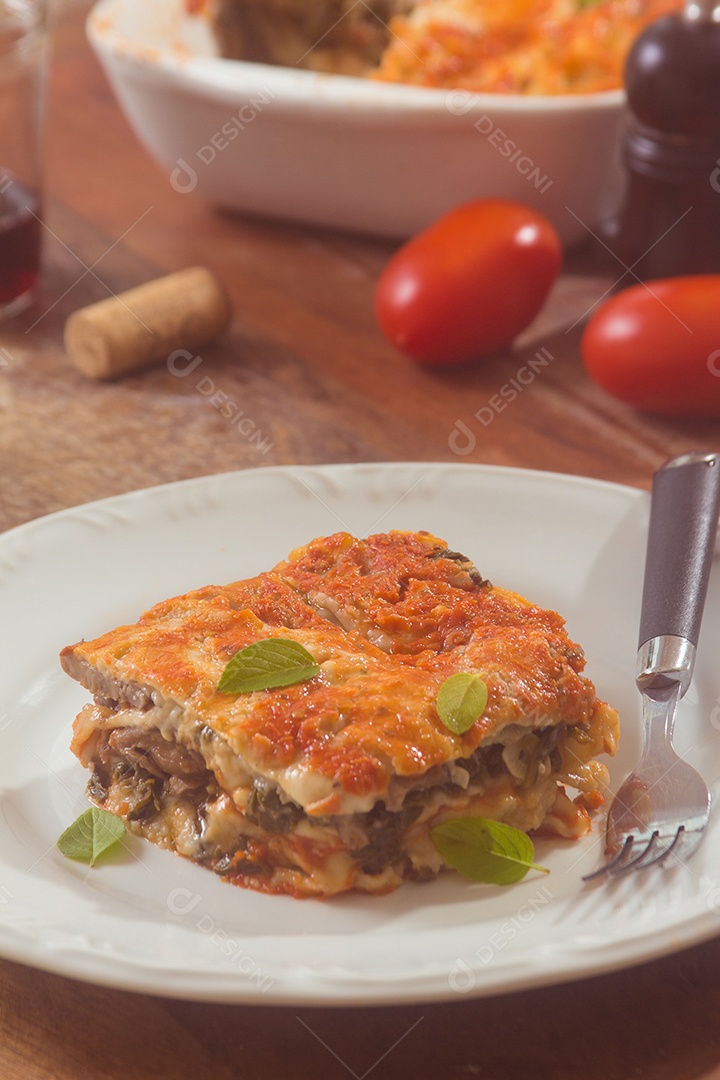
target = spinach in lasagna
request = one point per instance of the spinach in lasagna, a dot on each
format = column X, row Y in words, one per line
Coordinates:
column 336, row 782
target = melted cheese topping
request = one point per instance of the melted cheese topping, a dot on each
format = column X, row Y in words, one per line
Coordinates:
column 517, row 46
column 406, row 613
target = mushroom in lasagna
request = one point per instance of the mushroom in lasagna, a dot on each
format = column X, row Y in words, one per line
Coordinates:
column 335, row 781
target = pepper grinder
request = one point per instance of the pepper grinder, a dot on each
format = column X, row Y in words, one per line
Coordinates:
column 669, row 223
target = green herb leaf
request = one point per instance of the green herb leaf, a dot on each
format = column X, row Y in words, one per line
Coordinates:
column 93, row 833
column 461, row 700
column 266, row 664
column 485, row 850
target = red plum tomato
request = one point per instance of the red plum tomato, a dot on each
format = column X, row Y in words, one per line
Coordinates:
column 468, row 284
column 656, row 346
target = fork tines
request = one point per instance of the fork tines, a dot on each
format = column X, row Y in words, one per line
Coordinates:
column 654, row 851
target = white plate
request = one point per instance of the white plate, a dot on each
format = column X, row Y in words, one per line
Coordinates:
column 150, row 921
column 345, row 152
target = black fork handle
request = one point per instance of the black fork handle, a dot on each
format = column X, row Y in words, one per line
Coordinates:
column 681, row 542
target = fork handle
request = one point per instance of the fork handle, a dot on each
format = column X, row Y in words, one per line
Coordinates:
column 681, row 540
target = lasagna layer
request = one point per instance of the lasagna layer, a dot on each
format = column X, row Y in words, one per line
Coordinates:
column 495, row 46
column 336, row 782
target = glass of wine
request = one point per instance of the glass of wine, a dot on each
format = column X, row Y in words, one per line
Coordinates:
column 23, row 49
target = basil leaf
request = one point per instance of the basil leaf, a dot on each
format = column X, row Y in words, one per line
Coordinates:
column 266, row 664
column 461, row 700
column 485, row 850
column 90, row 835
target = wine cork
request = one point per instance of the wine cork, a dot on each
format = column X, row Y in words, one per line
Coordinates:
column 146, row 324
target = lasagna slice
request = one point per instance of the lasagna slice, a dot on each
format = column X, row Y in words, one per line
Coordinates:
column 335, row 782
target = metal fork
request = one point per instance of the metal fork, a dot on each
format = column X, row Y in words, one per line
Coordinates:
column 662, row 808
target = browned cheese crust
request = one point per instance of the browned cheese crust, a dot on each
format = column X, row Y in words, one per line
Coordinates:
column 485, row 46
column 335, row 782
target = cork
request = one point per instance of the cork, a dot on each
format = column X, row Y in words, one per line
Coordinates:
column 146, row 324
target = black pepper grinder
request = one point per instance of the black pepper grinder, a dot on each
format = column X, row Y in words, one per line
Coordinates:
column 669, row 223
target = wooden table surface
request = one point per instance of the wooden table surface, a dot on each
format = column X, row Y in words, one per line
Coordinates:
column 306, row 360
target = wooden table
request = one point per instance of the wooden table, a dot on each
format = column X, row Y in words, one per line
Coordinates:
column 308, row 364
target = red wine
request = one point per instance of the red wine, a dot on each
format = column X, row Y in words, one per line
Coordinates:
column 20, row 231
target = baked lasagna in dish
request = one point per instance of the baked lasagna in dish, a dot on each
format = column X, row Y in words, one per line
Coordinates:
column 517, row 46
column 336, row 781
column 496, row 46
